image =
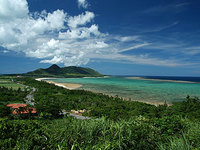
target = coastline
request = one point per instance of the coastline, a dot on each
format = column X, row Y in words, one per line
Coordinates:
column 73, row 86
column 155, row 103
column 69, row 86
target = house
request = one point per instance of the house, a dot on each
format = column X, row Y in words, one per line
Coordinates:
column 78, row 112
column 21, row 109
column 15, row 106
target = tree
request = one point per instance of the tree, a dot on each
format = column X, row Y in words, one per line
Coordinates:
column 48, row 107
column 4, row 111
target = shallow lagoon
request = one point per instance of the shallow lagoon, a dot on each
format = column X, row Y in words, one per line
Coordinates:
column 137, row 89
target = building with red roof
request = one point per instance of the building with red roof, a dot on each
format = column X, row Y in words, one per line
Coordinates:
column 14, row 106
column 21, row 109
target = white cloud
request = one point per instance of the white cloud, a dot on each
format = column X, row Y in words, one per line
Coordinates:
column 97, row 45
column 127, row 38
column 59, row 38
column 56, row 19
column 82, row 19
column 5, row 51
column 194, row 50
column 79, row 59
column 80, row 33
column 135, row 47
column 20, row 31
column 82, row 3
column 12, row 9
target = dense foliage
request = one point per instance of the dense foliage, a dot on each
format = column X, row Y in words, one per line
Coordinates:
column 52, row 97
column 11, row 95
column 21, row 134
column 71, row 71
column 117, row 124
column 70, row 133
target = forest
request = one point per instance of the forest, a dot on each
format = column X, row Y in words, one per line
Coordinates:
column 115, row 124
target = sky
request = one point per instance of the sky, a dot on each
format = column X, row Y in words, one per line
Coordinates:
column 114, row 37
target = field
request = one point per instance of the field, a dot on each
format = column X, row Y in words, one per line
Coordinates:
column 8, row 82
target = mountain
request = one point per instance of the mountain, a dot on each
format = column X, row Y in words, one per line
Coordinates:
column 54, row 69
column 71, row 71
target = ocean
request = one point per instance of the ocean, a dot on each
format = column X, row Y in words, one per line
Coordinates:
column 148, row 89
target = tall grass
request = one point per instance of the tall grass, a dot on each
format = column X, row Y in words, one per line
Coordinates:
column 176, row 144
column 102, row 134
column 189, row 140
column 68, row 133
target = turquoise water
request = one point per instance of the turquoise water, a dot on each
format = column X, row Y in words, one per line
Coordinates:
column 137, row 89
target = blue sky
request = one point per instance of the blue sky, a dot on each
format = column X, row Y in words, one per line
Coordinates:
column 140, row 37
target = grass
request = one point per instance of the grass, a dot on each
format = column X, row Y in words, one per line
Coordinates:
column 7, row 77
column 10, row 84
column 104, row 134
column 190, row 138
column 7, row 81
column 4, row 80
column 69, row 133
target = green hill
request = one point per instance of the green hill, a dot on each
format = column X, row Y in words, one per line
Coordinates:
column 71, row 71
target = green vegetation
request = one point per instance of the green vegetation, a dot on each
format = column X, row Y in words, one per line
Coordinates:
column 56, row 71
column 9, row 95
column 8, row 82
column 11, row 85
column 116, row 124
column 69, row 133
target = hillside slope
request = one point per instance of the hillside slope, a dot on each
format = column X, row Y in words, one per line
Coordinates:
column 71, row 71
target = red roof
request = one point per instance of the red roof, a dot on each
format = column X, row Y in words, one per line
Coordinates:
column 23, row 111
column 16, row 105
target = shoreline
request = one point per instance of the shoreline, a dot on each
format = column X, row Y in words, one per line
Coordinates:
column 73, row 86
column 155, row 103
column 69, row 86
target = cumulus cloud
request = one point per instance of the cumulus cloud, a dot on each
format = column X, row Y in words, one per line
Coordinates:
column 18, row 33
column 60, row 38
column 82, row 19
column 80, row 33
column 12, row 9
column 82, row 3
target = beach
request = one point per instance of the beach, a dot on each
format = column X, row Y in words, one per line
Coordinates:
column 69, row 86
column 132, row 88
column 151, row 91
column 156, row 103
column 72, row 86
